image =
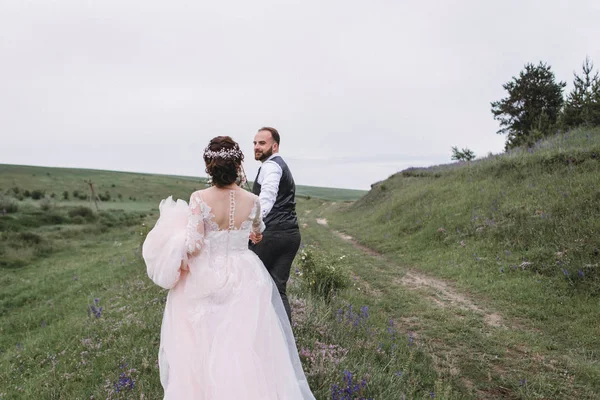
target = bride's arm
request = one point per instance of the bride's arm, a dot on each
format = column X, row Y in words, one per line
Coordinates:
column 258, row 225
column 195, row 228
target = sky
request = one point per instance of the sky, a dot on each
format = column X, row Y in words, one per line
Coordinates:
column 357, row 89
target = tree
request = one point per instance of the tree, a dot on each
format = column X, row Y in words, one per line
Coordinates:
column 532, row 106
column 582, row 106
column 462, row 155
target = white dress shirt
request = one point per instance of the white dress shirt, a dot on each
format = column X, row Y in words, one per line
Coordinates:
column 268, row 178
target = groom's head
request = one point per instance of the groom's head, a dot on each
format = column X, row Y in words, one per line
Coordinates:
column 266, row 142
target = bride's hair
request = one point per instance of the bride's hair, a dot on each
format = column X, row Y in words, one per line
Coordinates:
column 223, row 159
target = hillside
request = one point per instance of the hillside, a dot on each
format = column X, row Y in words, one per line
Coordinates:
column 519, row 233
column 127, row 186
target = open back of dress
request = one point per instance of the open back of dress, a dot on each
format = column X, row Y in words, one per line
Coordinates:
column 225, row 334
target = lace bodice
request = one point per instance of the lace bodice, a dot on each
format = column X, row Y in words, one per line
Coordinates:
column 205, row 235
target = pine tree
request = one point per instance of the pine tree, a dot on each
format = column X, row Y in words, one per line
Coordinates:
column 582, row 106
column 532, row 107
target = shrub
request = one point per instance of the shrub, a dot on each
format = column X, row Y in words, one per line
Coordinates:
column 321, row 275
column 37, row 194
column 46, row 203
column 30, row 238
column 105, row 196
column 53, row 218
column 9, row 204
column 78, row 219
column 83, row 212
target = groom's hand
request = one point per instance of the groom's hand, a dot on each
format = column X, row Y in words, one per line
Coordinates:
column 255, row 237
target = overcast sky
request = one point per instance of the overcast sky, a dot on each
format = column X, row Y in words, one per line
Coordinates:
column 358, row 89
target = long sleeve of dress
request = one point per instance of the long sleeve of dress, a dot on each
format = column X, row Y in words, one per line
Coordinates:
column 165, row 245
column 195, row 226
column 258, row 225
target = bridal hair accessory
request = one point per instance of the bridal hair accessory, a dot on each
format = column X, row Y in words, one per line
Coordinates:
column 226, row 154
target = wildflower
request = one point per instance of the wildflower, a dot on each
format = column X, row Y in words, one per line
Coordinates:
column 124, row 383
column 94, row 309
column 391, row 330
column 350, row 389
column 523, row 382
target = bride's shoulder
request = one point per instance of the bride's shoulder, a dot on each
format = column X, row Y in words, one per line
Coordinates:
column 196, row 198
column 251, row 195
column 197, row 193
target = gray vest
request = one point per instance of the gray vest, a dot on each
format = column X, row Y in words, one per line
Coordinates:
column 283, row 214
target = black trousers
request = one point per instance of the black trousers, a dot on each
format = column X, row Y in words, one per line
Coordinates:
column 277, row 250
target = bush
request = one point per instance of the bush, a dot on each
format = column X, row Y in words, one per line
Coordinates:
column 53, row 218
column 83, row 212
column 321, row 275
column 9, row 204
column 37, row 194
column 66, row 195
column 105, row 196
column 78, row 219
column 30, row 238
column 46, row 203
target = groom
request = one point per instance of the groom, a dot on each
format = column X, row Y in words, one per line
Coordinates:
column 276, row 189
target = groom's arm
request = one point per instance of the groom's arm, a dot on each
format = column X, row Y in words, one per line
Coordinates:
column 271, row 175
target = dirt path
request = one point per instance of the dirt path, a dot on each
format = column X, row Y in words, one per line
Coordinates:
column 440, row 292
column 502, row 348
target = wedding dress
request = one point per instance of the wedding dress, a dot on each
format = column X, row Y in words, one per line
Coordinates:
column 225, row 334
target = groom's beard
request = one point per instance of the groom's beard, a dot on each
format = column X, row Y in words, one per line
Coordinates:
column 262, row 156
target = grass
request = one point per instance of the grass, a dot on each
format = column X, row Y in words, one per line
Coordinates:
column 83, row 320
column 466, row 281
column 125, row 188
column 517, row 233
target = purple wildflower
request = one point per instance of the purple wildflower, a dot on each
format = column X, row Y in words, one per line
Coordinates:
column 94, row 309
column 124, row 383
column 350, row 389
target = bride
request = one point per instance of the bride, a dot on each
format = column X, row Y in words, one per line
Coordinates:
column 225, row 333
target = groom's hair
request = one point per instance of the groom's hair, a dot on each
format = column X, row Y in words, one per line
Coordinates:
column 273, row 131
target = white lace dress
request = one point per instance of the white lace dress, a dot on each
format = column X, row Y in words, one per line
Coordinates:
column 225, row 334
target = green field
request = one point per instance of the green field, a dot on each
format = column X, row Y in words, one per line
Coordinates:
column 465, row 281
column 128, row 186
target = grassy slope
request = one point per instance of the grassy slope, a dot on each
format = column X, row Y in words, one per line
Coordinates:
column 519, row 232
column 146, row 188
